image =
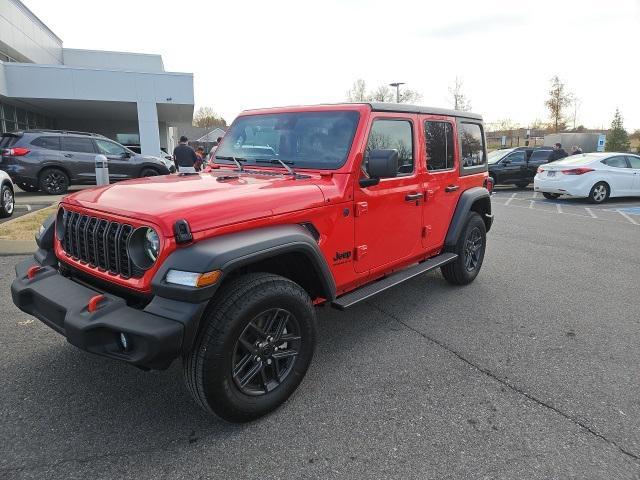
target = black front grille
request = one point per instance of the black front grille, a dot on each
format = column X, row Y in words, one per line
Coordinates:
column 100, row 243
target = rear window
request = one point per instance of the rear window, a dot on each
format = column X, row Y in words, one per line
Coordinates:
column 7, row 140
column 50, row 143
column 617, row 162
column 77, row 144
column 472, row 143
column 440, row 149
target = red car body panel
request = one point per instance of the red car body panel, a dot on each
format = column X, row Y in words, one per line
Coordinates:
column 349, row 218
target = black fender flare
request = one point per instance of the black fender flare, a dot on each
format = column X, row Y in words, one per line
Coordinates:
column 229, row 252
column 467, row 200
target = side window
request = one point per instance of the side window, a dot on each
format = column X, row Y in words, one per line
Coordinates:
column 540, row 155
column 617, row 162
column 393, row 134
column 634, row 161
column 516, row 157
column 440, row 150
column 50, row 143
column 472, row 142
column 77, row 144
column 109, row 148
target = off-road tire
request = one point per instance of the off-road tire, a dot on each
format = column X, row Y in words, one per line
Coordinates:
column 457, row 272
column 53, row 181
column 208, row 367
column 7, row 201
column 550, row 196
column 27, row 187
column 597, row 191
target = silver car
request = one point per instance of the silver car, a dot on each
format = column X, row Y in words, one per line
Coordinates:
column 7, row 198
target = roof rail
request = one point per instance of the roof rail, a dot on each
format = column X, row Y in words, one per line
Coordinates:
column 72, row 132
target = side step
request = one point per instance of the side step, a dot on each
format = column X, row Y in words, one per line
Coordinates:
column 369, row 290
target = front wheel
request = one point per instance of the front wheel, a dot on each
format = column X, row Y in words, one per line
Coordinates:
column 599, row 192
column 149, row 172
column 470, row 249
column 255, row 348
column 550, row 196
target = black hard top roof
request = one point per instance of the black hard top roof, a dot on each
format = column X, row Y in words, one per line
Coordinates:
column 406, row 108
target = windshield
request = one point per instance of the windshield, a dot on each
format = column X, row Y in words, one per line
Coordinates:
column 318, row 140
column 497, row 155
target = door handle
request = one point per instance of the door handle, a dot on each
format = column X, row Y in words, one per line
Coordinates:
column 412, row 197
column 68, row 155
column 452, row 188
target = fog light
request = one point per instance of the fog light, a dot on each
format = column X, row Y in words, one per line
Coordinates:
column 124, row 341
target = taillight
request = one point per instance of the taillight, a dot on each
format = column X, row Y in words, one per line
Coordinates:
column 17, row 151
column 540, row 169
column 577, row 171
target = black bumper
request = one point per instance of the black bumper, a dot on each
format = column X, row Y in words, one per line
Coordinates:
column 157, row 335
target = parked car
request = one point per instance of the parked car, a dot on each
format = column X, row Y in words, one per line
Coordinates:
column 163, row 155
column 596, row 176
column 517, row 165
column 7, row 197
column 52, row 160
column 230, row 287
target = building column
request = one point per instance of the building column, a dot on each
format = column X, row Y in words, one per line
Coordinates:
column 148, row 128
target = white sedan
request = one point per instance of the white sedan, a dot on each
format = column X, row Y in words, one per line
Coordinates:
column 596, row 176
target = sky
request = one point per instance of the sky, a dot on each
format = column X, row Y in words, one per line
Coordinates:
column 251, row 53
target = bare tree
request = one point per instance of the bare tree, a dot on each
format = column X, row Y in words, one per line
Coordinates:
column 409, row 96
column 507, row 125
column 208, row 119
column 358, row 92
column 559, row 98
column 458, row 99
column 382, row 94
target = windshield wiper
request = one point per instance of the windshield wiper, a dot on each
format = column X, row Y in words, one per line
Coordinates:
column 235, row 160
column 275, row 161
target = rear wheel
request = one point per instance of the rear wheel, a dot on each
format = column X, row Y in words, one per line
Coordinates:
column 599, row 192
column 254, row 349
column 27, row 187
column 54, row 181
column 550, row 196
column 470, row 249
column 7, row 201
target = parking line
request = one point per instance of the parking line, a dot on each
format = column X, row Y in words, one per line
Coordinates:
column 513, row 195
column 531, row 204
column 559, row 208
column 535, row 195
column 590, row 212
column 628, row 217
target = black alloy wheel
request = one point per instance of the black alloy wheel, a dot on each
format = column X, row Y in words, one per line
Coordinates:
column 473, row 249
column 470, row 249
column 54, row 181
column 266, row 352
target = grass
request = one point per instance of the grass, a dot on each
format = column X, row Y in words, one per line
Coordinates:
column 25, row 227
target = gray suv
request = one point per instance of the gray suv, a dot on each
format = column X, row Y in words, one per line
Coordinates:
column 51, row 160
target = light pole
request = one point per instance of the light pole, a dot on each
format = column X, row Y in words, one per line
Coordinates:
column 397, row 85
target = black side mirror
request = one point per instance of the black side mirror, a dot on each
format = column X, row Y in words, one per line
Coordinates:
column 506, row 161
column 381, row 164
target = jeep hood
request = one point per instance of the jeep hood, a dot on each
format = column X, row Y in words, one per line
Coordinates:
column 205, row 200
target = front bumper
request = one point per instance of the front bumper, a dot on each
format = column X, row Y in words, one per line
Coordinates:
column 157, row 335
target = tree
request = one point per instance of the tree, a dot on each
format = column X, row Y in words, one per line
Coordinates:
column 617, row 138
column 409, row 96
column 506, row 125
column 358, row 92
column 458, row 99
column 559, row 98
column 206, row 118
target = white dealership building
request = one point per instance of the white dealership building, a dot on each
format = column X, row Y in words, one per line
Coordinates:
column 125, row 96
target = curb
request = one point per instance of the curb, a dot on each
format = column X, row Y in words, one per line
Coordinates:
column 17, row 247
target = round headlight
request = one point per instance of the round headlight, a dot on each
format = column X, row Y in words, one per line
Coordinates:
column 151, row 244
column 144, row 247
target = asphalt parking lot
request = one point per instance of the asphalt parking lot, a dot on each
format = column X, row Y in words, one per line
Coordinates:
column 529, row 372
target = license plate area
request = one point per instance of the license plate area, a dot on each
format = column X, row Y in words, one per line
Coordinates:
column 551, row 174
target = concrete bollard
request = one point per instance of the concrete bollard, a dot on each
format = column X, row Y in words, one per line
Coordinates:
column 102, row 170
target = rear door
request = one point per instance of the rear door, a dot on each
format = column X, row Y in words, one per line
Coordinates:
column 514, row 167
column 120, row 164
column 634, row 161
column 79, row 156
column 537, row 158
column 441, row 175
column 619, row 175
column 388, row 216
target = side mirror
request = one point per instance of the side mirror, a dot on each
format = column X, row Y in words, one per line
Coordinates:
column 127, row 154
column 506, row 161
column 381, row 164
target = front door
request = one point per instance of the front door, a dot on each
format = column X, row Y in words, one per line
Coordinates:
column 120, row 165
column 515, row 167
column 388, row 216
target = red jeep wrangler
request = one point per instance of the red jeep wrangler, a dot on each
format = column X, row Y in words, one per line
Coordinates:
column 305, row 206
